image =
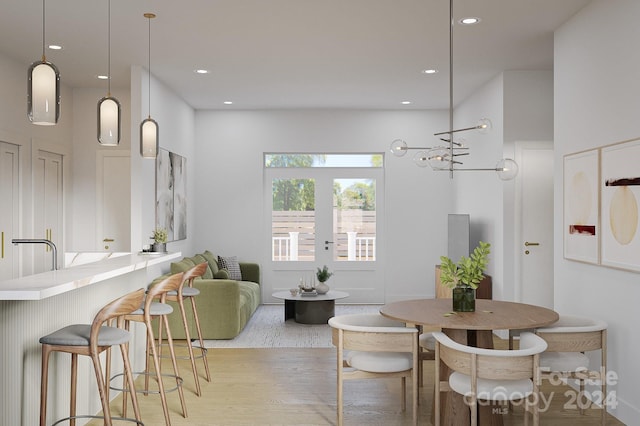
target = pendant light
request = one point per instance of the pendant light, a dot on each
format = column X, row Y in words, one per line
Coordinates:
column 109, row 107
column 443, row 156
column 43, row 89
column 149, row 127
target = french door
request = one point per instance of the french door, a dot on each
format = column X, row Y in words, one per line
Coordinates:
column 326, row 216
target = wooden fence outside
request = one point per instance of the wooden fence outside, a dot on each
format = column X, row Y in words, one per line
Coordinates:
column 284, row 223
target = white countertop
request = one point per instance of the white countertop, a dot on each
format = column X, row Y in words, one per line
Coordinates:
column 48, row 284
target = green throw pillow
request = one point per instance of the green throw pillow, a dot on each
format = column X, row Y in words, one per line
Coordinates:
column 222, row 274
column 212, row 260
column 183, row 266
column 208, row 273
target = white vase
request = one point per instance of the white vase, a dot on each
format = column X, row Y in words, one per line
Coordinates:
column 322, row 288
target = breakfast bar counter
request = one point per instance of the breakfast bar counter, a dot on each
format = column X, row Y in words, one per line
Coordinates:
column 33, row 306
column 52, row 283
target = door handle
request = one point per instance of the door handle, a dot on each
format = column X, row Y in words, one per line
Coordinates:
column 108, row 240
column 528, row 244
column 326, row 244
column 2, row 256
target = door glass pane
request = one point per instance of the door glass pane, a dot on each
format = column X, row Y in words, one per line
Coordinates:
column 293, row 228
column 354, row 220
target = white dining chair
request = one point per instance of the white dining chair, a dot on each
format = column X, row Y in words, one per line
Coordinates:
column 490, row 374
column 377, row 347
column 568, row 339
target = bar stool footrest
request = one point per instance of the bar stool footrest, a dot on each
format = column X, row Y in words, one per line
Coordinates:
column 203, row 352
column 117, row 419
column 148, row 392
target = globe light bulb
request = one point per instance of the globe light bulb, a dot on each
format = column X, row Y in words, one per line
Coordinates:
column 507, row 169
column 399, row 148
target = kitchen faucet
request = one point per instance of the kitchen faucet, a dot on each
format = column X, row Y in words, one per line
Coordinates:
column 50, row 243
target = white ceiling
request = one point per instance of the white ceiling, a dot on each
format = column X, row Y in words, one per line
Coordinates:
column 290, row 53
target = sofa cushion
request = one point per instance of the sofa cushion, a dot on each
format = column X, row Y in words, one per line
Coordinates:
column 230, row 263
column 208, row 273
column 222, row 274
column 183, row 266
column 212, row 260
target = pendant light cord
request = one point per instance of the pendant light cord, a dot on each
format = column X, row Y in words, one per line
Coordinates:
column 451, row 88
column 44, row 59
column 149, row 66
column 109, row 52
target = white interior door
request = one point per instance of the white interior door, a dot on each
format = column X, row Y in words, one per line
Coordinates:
column 535, row 236
column 327, row 231
column 48, row 208
column 9, row 209
column 113, row 218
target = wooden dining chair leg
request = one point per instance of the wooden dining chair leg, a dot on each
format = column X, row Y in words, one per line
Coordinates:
column 175, row 365
column 200, row 339
column 104, row 399
column 128, row 379
column 156, row 365
column 44, row 383
column 189, row 347
column 74, row 389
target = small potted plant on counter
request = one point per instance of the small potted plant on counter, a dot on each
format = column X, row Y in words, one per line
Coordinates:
column 323, row 275
column 463, row 277
column 159, row 238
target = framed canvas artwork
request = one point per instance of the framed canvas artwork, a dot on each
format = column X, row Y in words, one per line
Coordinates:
column 581, row 228
column 171, row 194
column 620, row 189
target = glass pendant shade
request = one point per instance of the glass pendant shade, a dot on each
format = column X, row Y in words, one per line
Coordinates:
column 507, row 169
column 399, row 148
column 109, row 121
column 439, row 158
column 421, row 159
column 483, row 125
column 43, row 97
column 149, row 138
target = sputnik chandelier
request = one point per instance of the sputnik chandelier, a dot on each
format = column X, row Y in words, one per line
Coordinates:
column 443, row 157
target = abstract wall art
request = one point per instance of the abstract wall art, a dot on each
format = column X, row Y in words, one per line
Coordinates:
column 171, row 194
column 581, row 228
column 620, row 189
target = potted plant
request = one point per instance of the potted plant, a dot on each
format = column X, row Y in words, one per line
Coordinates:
column 159, row 238
column 463, row 277
column 323, row 275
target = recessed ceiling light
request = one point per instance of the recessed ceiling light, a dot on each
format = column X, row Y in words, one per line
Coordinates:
column 55, row 47
column 228, row 102
column 102, row 77
column 430, row 71
column 469, row 21
column 406, row 102
column 201, row 71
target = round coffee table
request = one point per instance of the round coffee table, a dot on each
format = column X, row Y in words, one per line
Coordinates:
column 310, row 309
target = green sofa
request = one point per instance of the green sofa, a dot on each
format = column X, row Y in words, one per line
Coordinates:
column 224, row 305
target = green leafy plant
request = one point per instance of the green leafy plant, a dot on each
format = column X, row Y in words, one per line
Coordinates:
column 159, row 236
column 468, row 272
column 323, row 274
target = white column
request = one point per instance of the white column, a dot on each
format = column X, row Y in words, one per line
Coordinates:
column 293, row 247
column 351, row 245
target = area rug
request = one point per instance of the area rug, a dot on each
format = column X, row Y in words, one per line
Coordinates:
column 268, row 329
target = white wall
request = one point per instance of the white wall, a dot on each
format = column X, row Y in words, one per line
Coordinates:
column 229, row 183
column 16, row 128
column 176, row 122
column 520, row 107
column 82, row 226
column 597, row 103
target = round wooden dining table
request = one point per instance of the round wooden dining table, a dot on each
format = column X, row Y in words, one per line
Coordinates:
column 469, row 328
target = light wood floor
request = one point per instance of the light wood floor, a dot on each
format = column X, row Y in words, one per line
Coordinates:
column 298, row 387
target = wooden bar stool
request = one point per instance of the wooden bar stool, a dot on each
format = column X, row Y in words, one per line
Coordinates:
column 146, row 314
column 91, row 340
column 189, row 292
